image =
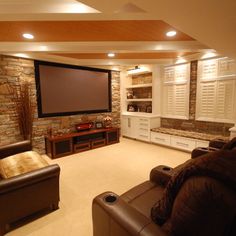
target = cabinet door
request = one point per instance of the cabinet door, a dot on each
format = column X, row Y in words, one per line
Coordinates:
column 129, row 126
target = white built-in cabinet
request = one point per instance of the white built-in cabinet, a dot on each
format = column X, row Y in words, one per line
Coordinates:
column 138, row 126
column 141, row 88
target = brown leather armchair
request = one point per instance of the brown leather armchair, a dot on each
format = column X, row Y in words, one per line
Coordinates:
column 195, row 198
column 27, row 193
column 214, row 145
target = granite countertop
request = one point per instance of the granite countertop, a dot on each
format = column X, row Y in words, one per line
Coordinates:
column 189, row 134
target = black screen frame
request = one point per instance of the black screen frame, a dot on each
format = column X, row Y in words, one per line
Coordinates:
column 37, row 64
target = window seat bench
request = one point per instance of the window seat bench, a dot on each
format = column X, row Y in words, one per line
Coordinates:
column 182, row 139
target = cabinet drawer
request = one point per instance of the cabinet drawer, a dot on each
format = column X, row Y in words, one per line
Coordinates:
column 143, row 120
column 98, row 143
column 144, row 137
column 80, row 147
column 160, row 138
column 201, row 143
column 143, row 130
column 183, row 143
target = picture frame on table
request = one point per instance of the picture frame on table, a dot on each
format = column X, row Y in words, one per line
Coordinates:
column 98, row 124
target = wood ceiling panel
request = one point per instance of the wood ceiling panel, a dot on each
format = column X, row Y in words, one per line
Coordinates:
column 58, row 31
column 167, row 55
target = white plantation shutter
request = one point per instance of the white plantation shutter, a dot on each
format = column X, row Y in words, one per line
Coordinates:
column 225, row 100
column 207, row 94
column 216, row 90
column 175, row 103
column 226, row 67
column 169, row 74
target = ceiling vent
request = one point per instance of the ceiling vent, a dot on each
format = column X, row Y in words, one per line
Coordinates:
column 130, row 8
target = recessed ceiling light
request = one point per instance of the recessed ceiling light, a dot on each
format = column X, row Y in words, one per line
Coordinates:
column 171, row 33
column 111, row 54
column 28, row 36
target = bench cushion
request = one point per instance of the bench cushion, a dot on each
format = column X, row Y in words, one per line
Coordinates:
column 21, row 163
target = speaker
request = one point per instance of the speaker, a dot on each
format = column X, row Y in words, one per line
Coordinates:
column 113, row 136
column 62, row 147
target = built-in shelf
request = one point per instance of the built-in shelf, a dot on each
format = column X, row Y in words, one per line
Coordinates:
column 141, row 114
column 139, row 100
column 139, row 86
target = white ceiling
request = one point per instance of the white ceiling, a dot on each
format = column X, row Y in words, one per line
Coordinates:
column 210, row 22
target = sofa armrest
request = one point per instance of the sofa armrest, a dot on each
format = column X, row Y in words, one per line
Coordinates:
column 199, row 151
column 114, row 216
column 161, row 174
column 19, row 181
column 15, row 148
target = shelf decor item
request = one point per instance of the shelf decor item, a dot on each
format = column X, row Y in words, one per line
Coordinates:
column 129, row 94
column 84, row 126
column 98, row 124
column 107, row 121
column 132, row 108
column 23, row 107
column 149, row 109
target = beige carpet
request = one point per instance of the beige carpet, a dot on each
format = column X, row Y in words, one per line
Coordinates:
column 114, row 168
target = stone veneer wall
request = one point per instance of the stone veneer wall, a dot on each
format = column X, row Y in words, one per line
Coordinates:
column 13, row 68
column 192, row 124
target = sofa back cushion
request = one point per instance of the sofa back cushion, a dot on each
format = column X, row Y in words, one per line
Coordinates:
column 220, row 166
column 21, row 163
column 203, row 206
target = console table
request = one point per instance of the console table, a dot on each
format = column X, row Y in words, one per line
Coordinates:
column 66, row 144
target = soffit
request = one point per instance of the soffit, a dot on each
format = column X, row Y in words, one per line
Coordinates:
column 59, row 31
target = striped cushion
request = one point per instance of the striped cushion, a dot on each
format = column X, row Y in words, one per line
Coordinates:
column 21, row 163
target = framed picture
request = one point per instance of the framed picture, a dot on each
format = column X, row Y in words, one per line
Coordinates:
column 98, row 124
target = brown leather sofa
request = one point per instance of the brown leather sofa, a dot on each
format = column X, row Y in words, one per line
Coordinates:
column 195, row 198
column 27, row 193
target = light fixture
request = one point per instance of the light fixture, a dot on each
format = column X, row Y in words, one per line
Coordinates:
column 171, row 33
column 28, row 36
column 137, row 69
column 111, row 54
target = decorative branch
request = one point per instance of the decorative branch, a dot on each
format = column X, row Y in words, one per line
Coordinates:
column 20, row 96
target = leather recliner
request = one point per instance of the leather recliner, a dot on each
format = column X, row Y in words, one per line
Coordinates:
column 195, row 198
column 27, row 193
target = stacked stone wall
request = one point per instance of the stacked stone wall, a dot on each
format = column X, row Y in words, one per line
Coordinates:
column 13, row 69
